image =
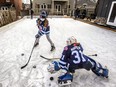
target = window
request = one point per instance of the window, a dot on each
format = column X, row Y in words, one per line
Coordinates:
column 56, row 6
column 42, row 6
column 68, row 6
column 59, row 8
column 7, row 0
column 113, row 14
column 4, row 8
column 38, row 5
column 49, row 6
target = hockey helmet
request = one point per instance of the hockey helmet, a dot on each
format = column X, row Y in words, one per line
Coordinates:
column 71, row 40
column 53, row 67
column 43, row 14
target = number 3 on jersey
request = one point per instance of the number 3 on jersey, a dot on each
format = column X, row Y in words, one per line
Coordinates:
column 77, row 57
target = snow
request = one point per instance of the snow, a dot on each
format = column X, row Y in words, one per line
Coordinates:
column 18, row 37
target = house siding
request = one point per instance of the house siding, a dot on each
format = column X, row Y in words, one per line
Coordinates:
column 67, row 6
column 104, row 8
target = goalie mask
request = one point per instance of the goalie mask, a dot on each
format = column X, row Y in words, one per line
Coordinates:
column 53, row 67
column 71, row 40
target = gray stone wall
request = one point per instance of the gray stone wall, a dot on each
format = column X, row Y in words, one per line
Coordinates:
column 7, row 16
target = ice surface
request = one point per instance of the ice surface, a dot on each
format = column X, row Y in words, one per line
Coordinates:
column 18, row 37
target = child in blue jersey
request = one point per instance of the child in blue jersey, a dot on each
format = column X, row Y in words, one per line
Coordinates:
column 44, row 29
column 72, row 59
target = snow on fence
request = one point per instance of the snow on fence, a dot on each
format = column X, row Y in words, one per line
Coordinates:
column 7, row 16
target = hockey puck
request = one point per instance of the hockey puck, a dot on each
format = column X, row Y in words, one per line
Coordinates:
column 95, row 54
column 34, row 66
column 51, row 78
column 22, row 54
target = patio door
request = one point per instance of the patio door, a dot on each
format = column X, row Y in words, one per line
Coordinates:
column 58, row 8
column 112, row 15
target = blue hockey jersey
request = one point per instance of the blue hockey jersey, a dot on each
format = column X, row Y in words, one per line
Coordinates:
column 43, row 26
column 72, row 57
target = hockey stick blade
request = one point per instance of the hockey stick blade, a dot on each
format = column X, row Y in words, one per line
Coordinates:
column 28, row 60
column 24, row 66
column 45, row 57
column 48, row 58
column 93, row 55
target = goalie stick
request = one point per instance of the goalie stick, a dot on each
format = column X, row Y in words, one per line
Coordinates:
column 49, row 59
column 93, row 55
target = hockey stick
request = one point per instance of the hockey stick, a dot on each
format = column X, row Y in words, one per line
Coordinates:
column 59, row 58
column 48, row 58
column 29, row 57
column 93, row 55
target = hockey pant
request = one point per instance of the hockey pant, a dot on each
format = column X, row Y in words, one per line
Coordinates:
column 41, row 33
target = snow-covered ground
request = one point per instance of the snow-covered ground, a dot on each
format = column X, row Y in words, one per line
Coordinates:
column 17, row 38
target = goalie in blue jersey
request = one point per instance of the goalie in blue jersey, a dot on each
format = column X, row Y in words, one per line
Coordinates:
column 72, row 59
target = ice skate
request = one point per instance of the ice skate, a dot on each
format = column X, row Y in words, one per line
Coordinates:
column 105, row 72
column 52, row 48
column 36, row 44
column 63, row 83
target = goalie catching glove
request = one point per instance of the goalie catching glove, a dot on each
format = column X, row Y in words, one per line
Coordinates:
column 53, row 67
column 65, row 78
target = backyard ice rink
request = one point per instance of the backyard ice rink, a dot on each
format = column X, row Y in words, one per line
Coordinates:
column 18, row 37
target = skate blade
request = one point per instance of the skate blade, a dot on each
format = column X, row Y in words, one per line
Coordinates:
column 65, row 83
column 53, row 50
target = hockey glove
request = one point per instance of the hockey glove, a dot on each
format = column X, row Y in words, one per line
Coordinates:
column 53, row 67
column 40, row 28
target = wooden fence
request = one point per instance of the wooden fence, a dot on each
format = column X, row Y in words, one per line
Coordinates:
column 7, row 16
